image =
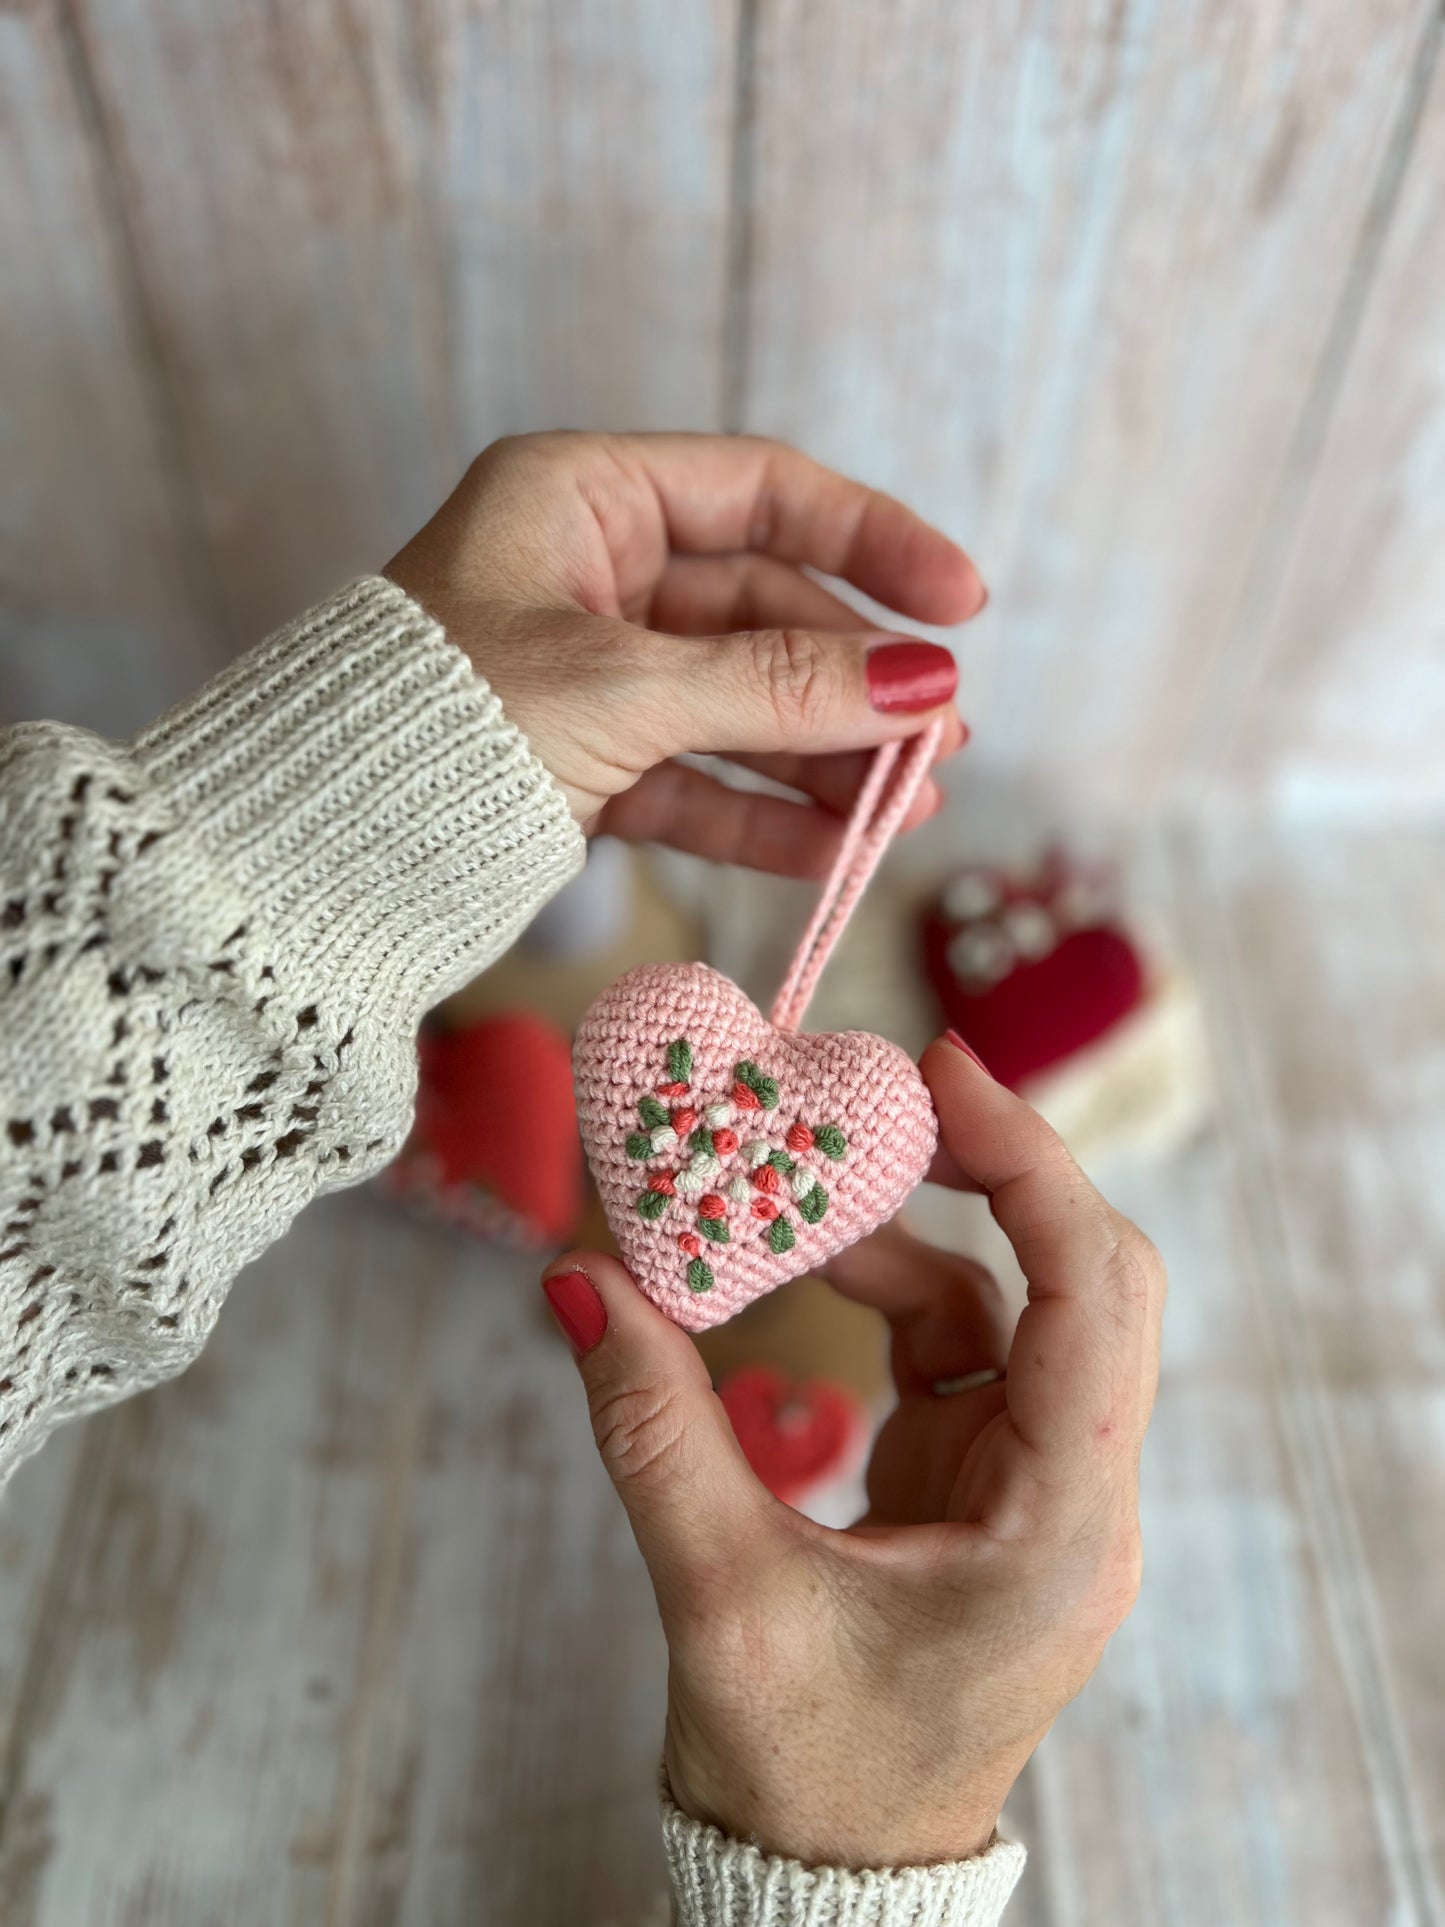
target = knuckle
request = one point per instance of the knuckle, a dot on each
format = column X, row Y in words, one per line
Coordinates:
column 1124, row 1574
column 496, row 455
column 638, row 1432
column 1131, row 1267
column 798, row 672
column 512, row 451
column 1108, row 1593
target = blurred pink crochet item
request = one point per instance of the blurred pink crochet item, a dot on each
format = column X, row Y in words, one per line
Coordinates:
column 732, row 1156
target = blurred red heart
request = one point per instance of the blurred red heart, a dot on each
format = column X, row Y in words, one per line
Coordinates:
column 494, row 1148
column 794, row 1436
column 1030, row 969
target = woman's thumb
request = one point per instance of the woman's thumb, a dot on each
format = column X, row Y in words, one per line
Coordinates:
column 664, row 1437
column 804, row 690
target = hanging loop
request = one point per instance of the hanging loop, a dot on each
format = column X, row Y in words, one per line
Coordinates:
column 893, row 780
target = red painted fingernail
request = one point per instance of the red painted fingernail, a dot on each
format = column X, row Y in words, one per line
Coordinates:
column 969, row 1052
column 906, row 675
column 578, row 1309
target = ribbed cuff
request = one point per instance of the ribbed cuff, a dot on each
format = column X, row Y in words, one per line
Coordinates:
column 717, row 1882
column 367, row 793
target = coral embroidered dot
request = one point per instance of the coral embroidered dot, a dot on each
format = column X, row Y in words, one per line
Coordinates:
column 711, row 1206
column 724, row 1143
column 767, row 1177
column 799, row 1138
column 672, row 1090
column 764, row 1208
column 745, row 1098
column 689, row 1245
column 662, row 1181
column 684, row 1120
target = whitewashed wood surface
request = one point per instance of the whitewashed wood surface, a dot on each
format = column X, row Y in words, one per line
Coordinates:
column 346, row 1626
column 1144, row 300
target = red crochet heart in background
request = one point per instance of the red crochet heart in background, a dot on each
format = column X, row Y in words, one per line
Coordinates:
column 494, row 1147
column 1041, row 1012
column 793, row 1435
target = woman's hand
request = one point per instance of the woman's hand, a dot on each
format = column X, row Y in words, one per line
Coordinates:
column 867, row 1698
column 633, row 597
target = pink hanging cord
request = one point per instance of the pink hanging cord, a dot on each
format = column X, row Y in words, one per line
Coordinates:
column 880, row 808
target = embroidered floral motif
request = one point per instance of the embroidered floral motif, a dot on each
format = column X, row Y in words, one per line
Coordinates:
column 767, row 1182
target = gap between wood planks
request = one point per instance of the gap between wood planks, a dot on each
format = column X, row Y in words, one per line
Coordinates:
column 181, row 480
column 738, row 265
column 48, row 1620
column 1307, row 1435
column 400, row 1457
column 1245, row 648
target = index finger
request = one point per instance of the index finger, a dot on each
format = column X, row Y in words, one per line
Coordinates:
column 721, row 493
column 1085, row 1357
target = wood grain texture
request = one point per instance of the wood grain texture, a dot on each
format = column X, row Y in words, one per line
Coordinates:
column 1237, row 1748
column 1065, row 275
column 349, row 1627
column 103, row 619
column 346, row 1626
column 1338, row 702
column 374, row 238
column 1143, row 299
column 1330, row 988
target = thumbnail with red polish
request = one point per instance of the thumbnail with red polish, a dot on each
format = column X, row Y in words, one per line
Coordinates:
column 908, row 675
column 577, row 1308
column 968, row 1051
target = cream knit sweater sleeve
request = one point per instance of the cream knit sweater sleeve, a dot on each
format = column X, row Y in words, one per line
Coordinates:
column 215, row 945
column 717, row 1882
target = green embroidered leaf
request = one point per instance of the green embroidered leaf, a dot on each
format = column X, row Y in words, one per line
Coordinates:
column 639, row 1145
column 714, row 1228
column 701, row 1142
column 765, row 1089
column 699, row 1276
column 780, row 1236
column 653, row 1114
column 814, row 1205
column 830, row 1140
column 780, row 1161
column 652, row 1204
column 679, row 1061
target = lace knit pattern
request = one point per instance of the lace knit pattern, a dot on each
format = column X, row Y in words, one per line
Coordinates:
column 215, row 944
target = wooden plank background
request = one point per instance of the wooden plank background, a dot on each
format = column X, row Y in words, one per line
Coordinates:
column 1137, row 296
column 1144, row 300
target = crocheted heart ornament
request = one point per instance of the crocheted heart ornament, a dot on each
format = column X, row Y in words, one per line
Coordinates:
column 730, row 1155
column 466, row 1161
column 1031, row 969
column 794, row 1436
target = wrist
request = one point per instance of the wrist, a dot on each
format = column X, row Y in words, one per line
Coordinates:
column 821, row 1816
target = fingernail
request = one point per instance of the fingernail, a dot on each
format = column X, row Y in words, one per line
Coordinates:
column 968, row 1051
column 906, row 675
column 578, row 1309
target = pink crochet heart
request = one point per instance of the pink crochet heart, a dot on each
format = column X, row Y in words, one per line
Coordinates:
column 732, row 1156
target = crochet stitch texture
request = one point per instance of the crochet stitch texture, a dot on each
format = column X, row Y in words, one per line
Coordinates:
column 765, row 1132
column 215, row 945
